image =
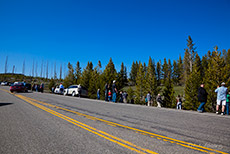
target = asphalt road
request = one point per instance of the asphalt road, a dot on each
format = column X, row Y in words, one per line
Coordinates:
column 46, row 123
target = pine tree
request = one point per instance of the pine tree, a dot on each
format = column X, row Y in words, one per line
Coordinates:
column 189, row 57
column 69, row 79
column 109, row 73
column 180, row 71
column 227, row 68
column 121, row 77
column 140, row 85
column 158, row 73
column 52, row 83
column 78, row 73
column 131, row 94
column 175, row 73
column 151, row 80
column 168, row 93
column 204, row 66
column 133, row 73
column 94, row 83
column 215, row 75
column 191, row 86
column 165, row 70
column 87, row 75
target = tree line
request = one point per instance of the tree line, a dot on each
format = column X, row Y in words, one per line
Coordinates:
column 161, row 77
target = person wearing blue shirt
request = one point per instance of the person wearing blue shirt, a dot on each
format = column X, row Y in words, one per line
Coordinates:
column 61, row 88
column 221, row 97
column 114, row 91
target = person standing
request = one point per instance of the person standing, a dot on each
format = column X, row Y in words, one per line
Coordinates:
column 110, row 95
column 61, row 88
column 202, row 98
column 159, row 100
column 148, row 98
column 221, row 97
column 227, row 103
column 125, row 95
column 114, row 91
column 121, row 97
column 52, row 89
column 98, row 94
column 42, row 87
column 106, row 91
column 179, row 102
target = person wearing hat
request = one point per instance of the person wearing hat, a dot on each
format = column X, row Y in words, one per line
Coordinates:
column 114, row 91
column 221, row 97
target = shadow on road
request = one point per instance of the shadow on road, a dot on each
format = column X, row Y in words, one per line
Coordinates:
column 4, row 104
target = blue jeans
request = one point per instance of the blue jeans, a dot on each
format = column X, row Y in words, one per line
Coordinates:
column 114, row 97
column 227, row 108
column 201, row 107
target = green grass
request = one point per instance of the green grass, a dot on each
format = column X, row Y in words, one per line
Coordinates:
column 179, row 90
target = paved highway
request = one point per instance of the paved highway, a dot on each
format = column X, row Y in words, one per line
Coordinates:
column 45, row 123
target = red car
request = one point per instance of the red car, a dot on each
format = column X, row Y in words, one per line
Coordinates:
column 18, row 88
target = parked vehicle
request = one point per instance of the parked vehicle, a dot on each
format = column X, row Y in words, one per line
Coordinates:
column 28, row 86
column 4, row 83
column 17, row 88
column 76, row 90
column 58, row 90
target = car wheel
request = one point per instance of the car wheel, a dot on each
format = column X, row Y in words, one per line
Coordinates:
column 73, row 94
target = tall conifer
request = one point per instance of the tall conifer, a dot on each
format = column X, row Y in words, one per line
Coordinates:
column 192, row 84
column 158, row 73
column 69, row 79
column 151, row 80
column 140, row 85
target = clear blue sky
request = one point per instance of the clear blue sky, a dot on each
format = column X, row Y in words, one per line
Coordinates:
column 92, row 30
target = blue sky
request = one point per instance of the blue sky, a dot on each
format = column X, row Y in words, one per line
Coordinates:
column 92, row 30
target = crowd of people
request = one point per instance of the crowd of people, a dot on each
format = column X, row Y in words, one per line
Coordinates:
column 222, row 103
column 38, row 87
column 223, row 98
column 111, row 93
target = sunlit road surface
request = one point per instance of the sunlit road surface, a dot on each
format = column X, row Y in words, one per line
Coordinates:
column 47, row 123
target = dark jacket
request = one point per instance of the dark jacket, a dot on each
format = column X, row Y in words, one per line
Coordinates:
column 202, row 95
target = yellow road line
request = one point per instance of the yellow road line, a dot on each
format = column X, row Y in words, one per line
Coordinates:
column 181, row 143
column 91, row 129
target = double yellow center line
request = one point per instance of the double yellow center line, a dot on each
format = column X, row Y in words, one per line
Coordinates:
column 100, row 133
column 152, row 135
